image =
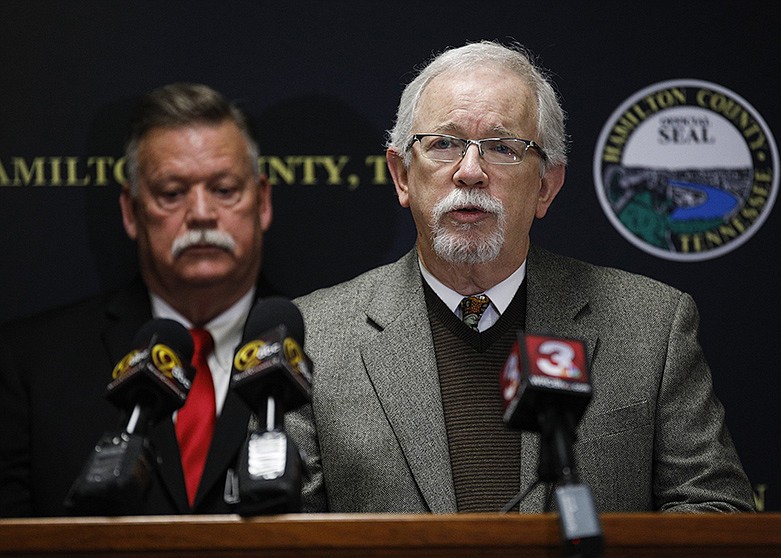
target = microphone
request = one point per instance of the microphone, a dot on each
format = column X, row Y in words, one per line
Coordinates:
column 148, row 384
column 546, row 388
column 273, row 375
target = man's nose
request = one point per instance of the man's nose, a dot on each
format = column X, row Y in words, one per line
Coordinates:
column 200, row 206
column 470, row 170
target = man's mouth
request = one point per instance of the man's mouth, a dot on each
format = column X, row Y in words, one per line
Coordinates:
column 199, row 250
column 465, row 208
column 204, row 246
column 469, row 214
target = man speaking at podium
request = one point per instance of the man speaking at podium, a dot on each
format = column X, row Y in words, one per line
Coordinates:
column 407, row 412
column 197, row 207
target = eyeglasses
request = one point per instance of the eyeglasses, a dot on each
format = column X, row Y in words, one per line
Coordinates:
column 497, row 151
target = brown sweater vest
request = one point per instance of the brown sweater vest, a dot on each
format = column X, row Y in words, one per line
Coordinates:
column 485, row 455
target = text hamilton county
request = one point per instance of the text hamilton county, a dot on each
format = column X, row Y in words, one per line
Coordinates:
column 676, row 96
column 96, row 171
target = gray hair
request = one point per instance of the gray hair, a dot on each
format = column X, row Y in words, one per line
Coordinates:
column 550, row 115
column 179, row 105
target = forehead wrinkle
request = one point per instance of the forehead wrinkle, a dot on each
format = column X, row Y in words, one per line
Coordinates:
column 451, row 128
column 193, row 152
column 183, row 172
column 460, row 102
column 192, row 170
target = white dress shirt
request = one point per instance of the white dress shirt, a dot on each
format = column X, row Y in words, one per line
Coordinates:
column 501, row 295
column 226, row 330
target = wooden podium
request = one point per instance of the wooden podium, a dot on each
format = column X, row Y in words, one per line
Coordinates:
column 386, row 535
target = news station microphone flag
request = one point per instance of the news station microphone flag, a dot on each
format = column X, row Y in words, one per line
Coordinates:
column 148, row 384
column 546, row 388
column 273, row 375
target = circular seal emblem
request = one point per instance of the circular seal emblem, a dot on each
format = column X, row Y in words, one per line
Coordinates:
column 686, row 170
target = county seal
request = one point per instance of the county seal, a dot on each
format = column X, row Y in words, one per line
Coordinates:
column 686, row 170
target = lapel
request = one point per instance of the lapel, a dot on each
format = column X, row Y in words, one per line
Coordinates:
column 400, row 363
column 555, row 302
column 125, row 314
column 229, row 434
column 169, row 465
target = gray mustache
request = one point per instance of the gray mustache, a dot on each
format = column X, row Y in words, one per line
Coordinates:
column 203, row 237
column 468, row 197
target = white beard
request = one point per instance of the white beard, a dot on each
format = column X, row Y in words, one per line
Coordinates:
column 465, row 244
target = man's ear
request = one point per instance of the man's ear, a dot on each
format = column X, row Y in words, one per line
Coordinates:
column 399, row 174
column 265, row 209
column 127, row 205
column 552, row 181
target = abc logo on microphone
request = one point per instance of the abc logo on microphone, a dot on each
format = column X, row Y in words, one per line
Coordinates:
column 163, row 358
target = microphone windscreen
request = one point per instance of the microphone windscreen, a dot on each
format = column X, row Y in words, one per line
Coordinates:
column 166, row 332
column 271, row 312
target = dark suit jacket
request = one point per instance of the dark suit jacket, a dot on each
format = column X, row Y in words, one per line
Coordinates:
column 653, row 437
column 54, row 370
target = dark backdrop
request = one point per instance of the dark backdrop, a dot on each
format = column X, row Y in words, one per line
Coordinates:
column 322, row 80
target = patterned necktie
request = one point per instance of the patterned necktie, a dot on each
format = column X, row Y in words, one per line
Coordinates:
column 195, row 420
column 472, row 308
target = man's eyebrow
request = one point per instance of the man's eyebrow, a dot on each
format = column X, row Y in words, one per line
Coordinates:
column 454, row 129
column 447, row 128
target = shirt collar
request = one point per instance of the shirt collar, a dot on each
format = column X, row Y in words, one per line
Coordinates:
column 500, row 294
column 226, row 329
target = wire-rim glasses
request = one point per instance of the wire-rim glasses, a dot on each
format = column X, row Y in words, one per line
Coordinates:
column 496, row 151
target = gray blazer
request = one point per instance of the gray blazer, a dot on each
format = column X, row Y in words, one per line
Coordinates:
column 653, row 437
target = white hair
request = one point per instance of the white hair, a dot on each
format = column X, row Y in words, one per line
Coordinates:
column 550, row 115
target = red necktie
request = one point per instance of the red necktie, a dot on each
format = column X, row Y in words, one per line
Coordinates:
column 195, row 420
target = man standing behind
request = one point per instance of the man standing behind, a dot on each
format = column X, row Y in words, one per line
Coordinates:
column 197, row 207
column 407, row 411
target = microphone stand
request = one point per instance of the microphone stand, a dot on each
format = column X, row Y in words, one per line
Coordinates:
column 269, row 468
column 118, row 473
column 580, row 526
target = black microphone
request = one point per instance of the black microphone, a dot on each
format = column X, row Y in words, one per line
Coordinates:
column 546, row 388
column 148, row 384
column 273, row 375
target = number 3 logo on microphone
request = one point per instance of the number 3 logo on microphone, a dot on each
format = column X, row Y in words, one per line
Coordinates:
column 558, row 360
